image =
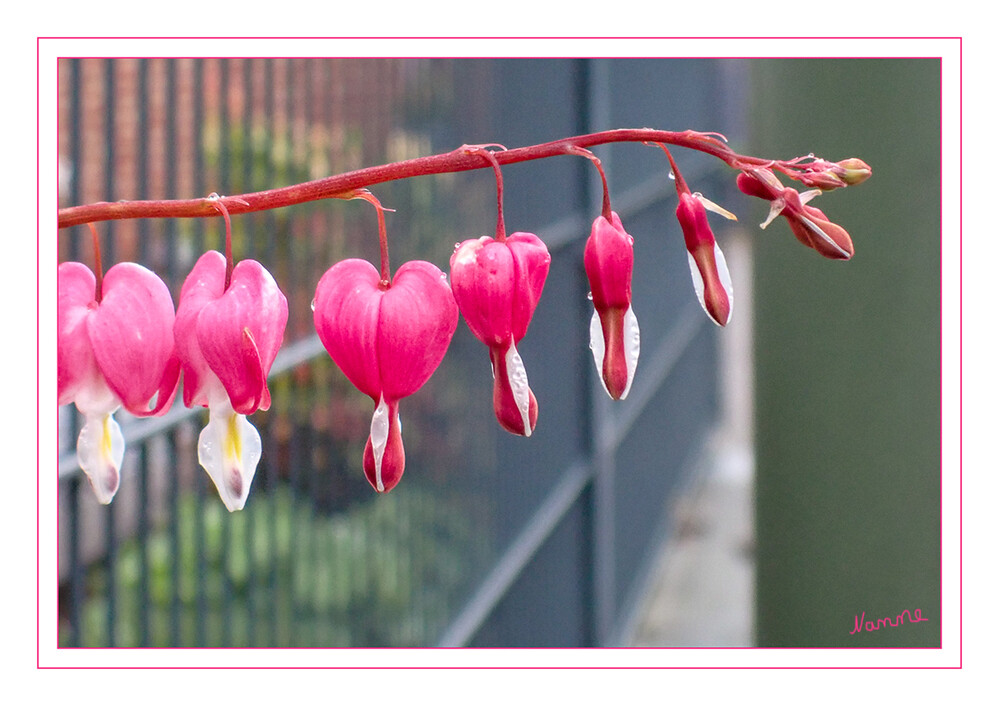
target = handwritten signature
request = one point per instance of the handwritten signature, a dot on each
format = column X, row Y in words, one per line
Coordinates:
column 860, row 625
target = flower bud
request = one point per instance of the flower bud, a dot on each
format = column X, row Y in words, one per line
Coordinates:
column 855, row 171
column 809, row 224
column 614, row 335
column 712, row 282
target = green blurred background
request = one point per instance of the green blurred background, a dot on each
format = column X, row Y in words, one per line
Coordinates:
column 848, row 361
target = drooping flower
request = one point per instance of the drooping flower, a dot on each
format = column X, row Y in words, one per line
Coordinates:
column 497, row 284
column 614, row 336
column 708, row 271
column 388, row 339
column 810, row 225
column 227, row 339
column 116, row 348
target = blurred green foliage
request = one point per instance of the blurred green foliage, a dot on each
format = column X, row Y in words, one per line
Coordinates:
column 383, row 573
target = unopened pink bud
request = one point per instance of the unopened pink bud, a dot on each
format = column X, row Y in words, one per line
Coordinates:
column 708, row 270
column 614, row 335
column 855, row 171
column 825, row 180
column 813, row 228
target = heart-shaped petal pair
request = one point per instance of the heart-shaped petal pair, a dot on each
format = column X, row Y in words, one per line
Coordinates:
column 388, row 339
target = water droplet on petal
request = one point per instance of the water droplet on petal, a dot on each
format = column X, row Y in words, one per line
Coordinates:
column 313, row 305
column 589, row 295
column 672, row 176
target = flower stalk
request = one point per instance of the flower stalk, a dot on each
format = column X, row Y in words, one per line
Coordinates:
column 459, row 160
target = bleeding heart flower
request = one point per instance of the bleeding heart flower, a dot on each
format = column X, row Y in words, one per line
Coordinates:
column 227, row 339
column 712, row 282
column 388, row 339
column 810, row 225
column 113, row 352
column 614, row 336
column 708, row 271
column 497, row 284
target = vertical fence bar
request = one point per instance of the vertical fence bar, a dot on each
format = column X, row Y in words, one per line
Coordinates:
column 111, row 544
column 173, row 492
column 590, row 194
column 171, row 161
column 142, row 157
column 225, row 168
column 143, row 543
column 271, row 249
column 107, row 242
column 76, row 586
column 75, row 149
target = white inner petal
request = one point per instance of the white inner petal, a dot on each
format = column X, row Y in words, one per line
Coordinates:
column 379, row 438
column 229, row 449
column 517, row 377
column 822, row 234
column 632, row 345
column 598, row 348
column 723, row 276
column 100, row 449
column 776, row 206
column 695, row 275
column 806, row 196
column 715, row 208
column 726, row 279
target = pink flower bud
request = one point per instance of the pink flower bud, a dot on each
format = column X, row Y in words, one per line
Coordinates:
column 854, row 171
column 497, row 285
column 712, row 282
column 809, row 225
column 614, row 334
column 814, row 229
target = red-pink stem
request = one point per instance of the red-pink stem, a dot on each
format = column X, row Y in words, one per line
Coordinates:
column 605, row 209
column 491, row 158
column 458, row 160
column 216, row 201
column 98, row 268
column 681, row 184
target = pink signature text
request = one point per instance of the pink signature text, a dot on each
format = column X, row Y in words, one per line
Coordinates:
column 860, row 625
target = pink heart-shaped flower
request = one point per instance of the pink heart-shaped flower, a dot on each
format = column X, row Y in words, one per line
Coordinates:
column 497, row 284
column 229, row 337
column 388, row 339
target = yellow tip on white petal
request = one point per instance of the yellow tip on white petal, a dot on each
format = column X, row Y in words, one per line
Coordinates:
column 229, row 449
column 100, row 449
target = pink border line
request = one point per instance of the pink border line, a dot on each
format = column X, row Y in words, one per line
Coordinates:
column 326, row 667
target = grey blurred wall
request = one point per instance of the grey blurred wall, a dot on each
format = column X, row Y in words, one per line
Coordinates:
column 848, row 361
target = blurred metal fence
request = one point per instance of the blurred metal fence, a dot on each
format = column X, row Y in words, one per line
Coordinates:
column 490, row 539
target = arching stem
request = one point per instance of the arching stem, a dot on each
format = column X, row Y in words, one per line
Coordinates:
column 386, row 270
column 488, row 154
column 220, row 207
column 605, row 209
column 681, row 185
